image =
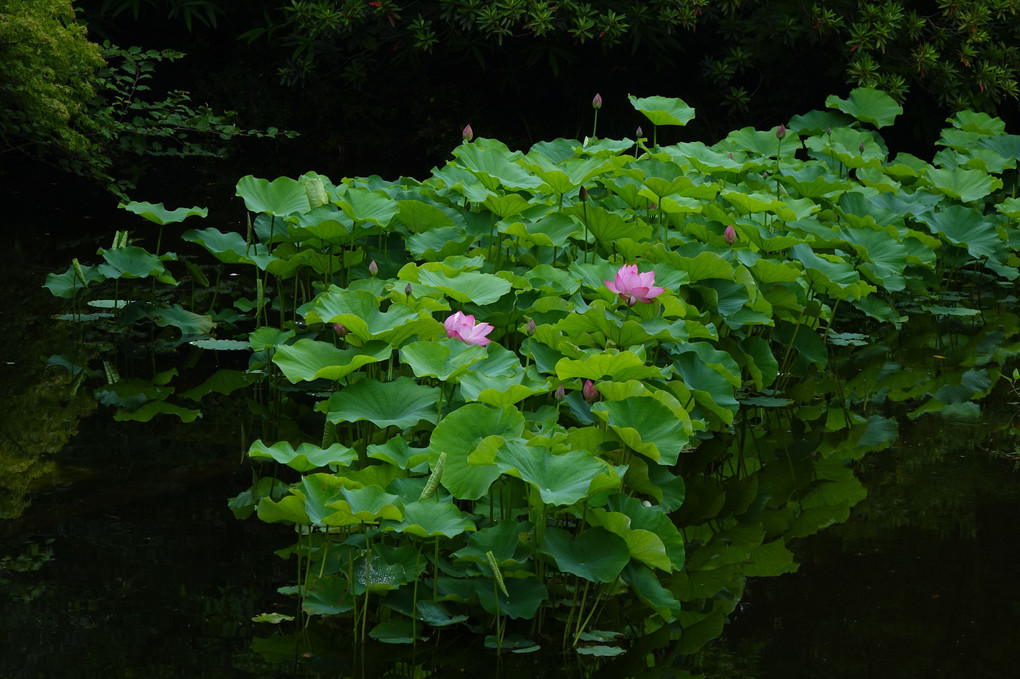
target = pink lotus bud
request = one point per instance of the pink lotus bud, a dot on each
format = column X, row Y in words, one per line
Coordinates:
column 530, row 329
column 340, row 330
column 730, row 155
column 467, row 133
column 730, row 234
column 596, row 103
column 828, row 131
column 589, row 392
column 639, row 132
column 373, row 268
column 407, row 289
column 781, row 131
column 560, row 393
column 583, row 194
column 861, row 147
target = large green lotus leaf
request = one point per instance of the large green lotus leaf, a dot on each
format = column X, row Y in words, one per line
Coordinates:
column 67, row 285
column 761, row 362
column 646, row 586
column 190, row 324
column 440, row 243
column 561, row 480
column 307, row 457
column 553, row 280
column 429, row 518
column 504, row 540
column 501, row 390
column 719, row 361
column 663, row 110
column 867, row 105
column 619, row 367
column 230, row 247
column 281, row 197
column 160, row 215
column 552, row 230
column 525, row 595
column 458, row 183
column 419, row 216
column 468, row 286
column 770, row 560
column 435, row 615
column 326, row 223
column 306, row 503
column 643, row 545
column 608, row 227
column 829, row 273
column 595, row 555
column 645, row 425
column 327, row 595
column 309, row 359
column 363, row 205
column 885, row 257
column 401, row 403
column 460, row 433
column 364, row 505
column 658, row 482
column 398, row 452
column 134, row 262
column 702, row 266
column 568, row 174
column 358, row 311
column 508, row 205
column 650, row 519
column 760, row 143
column 492, row 162
column 968, row 228
column 444, row 359
column 814, row 181
column 223, row 381
column 964, row 185
column 710, row 389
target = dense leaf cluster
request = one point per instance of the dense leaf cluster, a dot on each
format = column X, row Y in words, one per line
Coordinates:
column 605, row 463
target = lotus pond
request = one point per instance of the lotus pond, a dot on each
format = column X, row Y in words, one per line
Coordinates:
column 574, row 401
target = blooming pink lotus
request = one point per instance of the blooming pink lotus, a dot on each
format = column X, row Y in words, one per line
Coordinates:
column 464, row 328
column 633, row 286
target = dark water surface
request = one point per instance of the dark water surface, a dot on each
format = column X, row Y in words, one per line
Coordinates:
column 132, row 566
column 922, row 581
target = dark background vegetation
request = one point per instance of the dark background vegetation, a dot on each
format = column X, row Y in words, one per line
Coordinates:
column 385, row 87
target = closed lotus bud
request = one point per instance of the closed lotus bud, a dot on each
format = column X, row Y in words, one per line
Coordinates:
column 730, row 234
column 467, row 133
column 828, row 130
column 781, row 131
column 596, row 103
column 340, row 330
column 861, row 147
column 730, row 155
column 407, row 289
column 316, row 192
column 583, row 194
column 373, row 268
column 530, row 329
column 560, row 393
column 639, row 132
column 589, row 392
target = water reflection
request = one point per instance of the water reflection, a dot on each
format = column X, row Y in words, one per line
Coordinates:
column 919, row 582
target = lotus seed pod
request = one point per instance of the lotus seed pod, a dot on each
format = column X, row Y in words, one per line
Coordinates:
column 596, row 103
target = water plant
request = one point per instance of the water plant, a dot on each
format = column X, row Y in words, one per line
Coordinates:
column 576, row 396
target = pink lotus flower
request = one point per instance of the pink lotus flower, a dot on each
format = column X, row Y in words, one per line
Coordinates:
column 633, row 286
column 466, row 330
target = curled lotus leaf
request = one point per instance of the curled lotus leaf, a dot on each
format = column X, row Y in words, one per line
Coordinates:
column 306, row 457
column 309, row 359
